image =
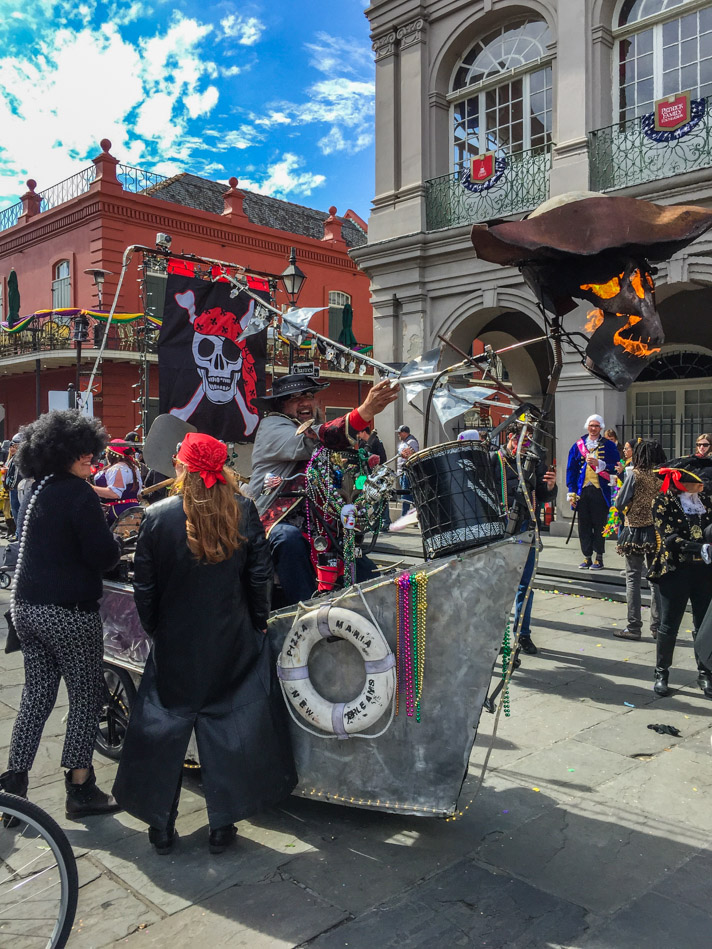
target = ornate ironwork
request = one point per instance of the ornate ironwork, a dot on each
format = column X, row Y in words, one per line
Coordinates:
column 621, row 155
column 52, row 333
column 138, row 180
column 522, row 188
column 10, row 216
column 68, row 189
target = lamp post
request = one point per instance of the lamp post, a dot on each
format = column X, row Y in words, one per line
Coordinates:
column 81, row 323
column 292, row 282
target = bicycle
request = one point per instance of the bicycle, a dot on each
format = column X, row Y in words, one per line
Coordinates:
column 38, row 877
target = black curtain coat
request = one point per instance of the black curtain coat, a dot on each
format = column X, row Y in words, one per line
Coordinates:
column 209, row 670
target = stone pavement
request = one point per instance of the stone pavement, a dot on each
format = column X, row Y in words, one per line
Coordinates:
column 590, row 831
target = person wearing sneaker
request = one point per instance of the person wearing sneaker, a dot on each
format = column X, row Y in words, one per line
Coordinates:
column 636, row 539
column 591, row 465
column 543, row 488
column 202, row 586
column 682, row 512
column 65, row 546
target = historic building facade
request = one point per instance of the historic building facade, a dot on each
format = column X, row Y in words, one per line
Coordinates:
column 555, row 92
column 52, row 238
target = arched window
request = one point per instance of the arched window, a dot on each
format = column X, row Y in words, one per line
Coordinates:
column 661, row 51
column 60, row 285
column 501, row 92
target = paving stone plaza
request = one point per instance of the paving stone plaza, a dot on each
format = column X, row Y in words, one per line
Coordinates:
column 590, row 830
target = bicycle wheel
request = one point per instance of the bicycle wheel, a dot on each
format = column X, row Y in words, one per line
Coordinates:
column 38, row 878
column 114, row 717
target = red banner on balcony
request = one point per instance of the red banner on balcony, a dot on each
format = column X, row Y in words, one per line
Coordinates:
column 672, row 112
column 482, row 167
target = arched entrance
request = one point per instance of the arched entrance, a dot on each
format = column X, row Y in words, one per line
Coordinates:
column 523, row 371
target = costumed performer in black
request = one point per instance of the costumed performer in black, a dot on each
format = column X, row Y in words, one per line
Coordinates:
column 202, row 585
column 681, row 514
column 542, row 487
column 591, row 465
column 278, row 455
column 65, row 545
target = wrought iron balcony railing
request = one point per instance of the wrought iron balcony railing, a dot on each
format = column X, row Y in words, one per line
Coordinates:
column 623, row 155
column 10, row 216
column 522, row 187
column 52, row 335
column 68, row 189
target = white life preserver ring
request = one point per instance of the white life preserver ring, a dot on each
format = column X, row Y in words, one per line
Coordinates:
column 337, row 718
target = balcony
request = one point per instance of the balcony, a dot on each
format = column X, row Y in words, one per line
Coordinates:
column 621, row 155
column 523, row 187
column 48, row 335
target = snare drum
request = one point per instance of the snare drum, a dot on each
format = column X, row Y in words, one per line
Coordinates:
column 457, row 497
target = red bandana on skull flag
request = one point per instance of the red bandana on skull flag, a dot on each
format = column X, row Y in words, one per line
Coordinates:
column 207, row 377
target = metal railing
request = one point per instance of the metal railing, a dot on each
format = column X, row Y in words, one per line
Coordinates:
column 137, row 180
column 676, row 435
column 621, row 155
column 67, row 189
column 523, row 186
column 10, row 216
column 53, row 335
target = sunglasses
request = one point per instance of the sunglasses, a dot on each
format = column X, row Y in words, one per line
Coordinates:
column 703, row 444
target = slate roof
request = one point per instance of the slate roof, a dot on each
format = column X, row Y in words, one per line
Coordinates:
column 195, row 192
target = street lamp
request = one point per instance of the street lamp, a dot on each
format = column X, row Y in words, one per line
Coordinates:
column 293, row 280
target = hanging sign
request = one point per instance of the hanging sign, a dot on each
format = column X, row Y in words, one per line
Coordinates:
column 482, row 167
column 672, row 112
column 484, row 172
column 673, row 117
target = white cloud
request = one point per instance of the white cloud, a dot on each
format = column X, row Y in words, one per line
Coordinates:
column 334, row 55
column 246, row 30
column 343, row 104
column 76, row 86
column 227, row 71
column 284, row 180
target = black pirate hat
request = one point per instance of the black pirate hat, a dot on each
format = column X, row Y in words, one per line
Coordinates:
column 692, row 469
column 286, row 386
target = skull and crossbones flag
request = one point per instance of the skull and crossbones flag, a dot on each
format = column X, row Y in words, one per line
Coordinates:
column 209, row 377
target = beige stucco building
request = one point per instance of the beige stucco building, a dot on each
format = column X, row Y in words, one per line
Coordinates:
column 558, row 91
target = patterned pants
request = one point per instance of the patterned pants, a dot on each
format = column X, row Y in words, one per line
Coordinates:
column 58, row 643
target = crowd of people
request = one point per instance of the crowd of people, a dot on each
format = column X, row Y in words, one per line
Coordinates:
column 203, row 586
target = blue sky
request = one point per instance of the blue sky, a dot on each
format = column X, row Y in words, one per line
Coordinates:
column 278, row 93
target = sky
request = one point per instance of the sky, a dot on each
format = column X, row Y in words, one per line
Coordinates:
column 278, row 93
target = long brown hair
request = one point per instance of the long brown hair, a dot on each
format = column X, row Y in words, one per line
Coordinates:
column 212, row 516
column 115, row 457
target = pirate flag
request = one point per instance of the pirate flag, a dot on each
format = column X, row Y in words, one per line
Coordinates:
column 208, row 376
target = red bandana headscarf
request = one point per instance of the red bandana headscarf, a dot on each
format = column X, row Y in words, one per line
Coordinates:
column 204, row 454
column 673, row 475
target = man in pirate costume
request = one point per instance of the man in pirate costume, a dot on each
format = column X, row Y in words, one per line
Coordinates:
column 681, row 565
column 542, row 487
column 280, row 452
column 591, row 465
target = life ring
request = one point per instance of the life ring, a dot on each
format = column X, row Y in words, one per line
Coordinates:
column 337, row 718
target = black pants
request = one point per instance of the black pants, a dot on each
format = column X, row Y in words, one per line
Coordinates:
column 592, row 517
column 690, row 582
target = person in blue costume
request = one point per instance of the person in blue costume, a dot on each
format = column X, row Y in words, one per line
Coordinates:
column 590, row 468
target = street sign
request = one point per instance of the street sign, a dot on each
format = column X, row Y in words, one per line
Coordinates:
column 305, row 369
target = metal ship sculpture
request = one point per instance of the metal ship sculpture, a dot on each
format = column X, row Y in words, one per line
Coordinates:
column 385, row 680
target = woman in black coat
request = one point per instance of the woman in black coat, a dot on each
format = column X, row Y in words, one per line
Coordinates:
column 202, row 585
column 64, row 547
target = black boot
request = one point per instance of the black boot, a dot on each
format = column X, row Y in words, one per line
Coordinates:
column 704, row 680
column 14, row 782
column 164, row 838
column 84, row 800
column 665, row 648
column 661, row 682
column 222, row 837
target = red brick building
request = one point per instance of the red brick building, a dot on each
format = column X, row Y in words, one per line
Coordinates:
column 85, row 223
